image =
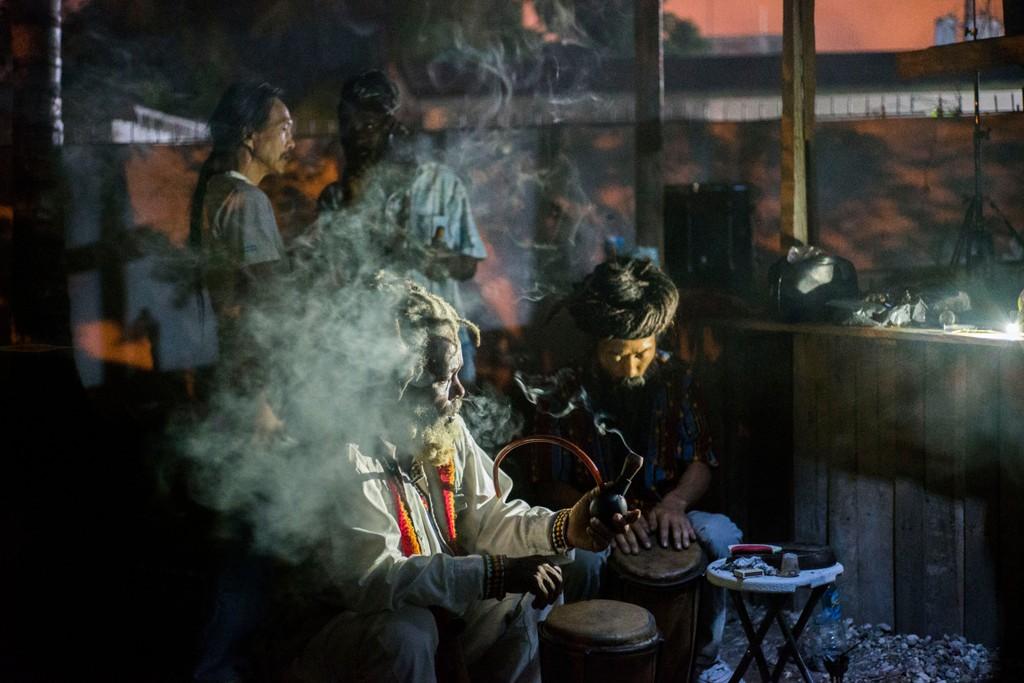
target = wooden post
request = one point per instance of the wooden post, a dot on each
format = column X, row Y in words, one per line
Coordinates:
column 1013, row 17
column 39, row 286
column 650, row 96
column 798, row 86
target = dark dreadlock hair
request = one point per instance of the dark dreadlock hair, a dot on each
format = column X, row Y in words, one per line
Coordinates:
column 624, row 298
column 369, row 91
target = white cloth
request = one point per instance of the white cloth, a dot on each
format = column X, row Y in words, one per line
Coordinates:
column 372, row 576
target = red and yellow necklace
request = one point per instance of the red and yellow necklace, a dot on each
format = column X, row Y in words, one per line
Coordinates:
column 409, row 539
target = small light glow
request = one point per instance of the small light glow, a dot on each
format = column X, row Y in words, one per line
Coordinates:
column 1013, row 329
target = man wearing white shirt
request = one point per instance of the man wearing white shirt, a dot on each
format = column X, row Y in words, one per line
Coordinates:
column 417, row 527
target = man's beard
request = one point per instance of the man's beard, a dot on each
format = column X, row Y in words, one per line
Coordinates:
column 620, row 395
column 629, row 383
column 436, row 440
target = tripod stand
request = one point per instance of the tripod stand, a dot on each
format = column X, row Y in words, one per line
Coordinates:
column 974, row 245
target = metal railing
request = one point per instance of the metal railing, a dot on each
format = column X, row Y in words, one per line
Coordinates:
column 154, row 127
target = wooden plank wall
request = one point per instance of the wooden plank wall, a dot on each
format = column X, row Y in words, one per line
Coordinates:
column 747, row 385
column 907, row 461
column 906, row 456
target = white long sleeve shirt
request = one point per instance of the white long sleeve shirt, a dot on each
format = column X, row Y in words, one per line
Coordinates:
column 368, row 567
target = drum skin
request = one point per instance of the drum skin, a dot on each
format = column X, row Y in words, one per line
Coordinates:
column 667, row 583
column 599, row 641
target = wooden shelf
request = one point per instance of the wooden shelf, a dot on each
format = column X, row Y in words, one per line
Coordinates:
column 982, row 338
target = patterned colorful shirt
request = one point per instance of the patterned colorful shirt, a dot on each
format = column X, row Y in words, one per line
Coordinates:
column 663, row 421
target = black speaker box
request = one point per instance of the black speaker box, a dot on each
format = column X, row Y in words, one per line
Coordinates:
column 708, row 241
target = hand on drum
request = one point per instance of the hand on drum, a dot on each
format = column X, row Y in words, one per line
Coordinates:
column 534, row 574
column 665, row 523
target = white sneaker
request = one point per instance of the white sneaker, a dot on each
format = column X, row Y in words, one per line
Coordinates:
column 718, row 672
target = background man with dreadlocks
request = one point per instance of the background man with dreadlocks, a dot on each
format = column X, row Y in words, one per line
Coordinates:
column 630, row 385
column 412, row 218
column 421, row 531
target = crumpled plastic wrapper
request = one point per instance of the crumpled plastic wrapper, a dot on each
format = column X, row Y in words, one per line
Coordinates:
column 803, row 252
column 904, row 308
column 750, row 562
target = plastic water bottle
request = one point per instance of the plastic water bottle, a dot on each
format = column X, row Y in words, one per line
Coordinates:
column 832, row 635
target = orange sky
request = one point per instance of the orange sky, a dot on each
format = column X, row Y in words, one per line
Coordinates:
column 842, row 25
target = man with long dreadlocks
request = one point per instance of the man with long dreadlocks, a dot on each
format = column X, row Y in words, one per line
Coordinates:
column 423, row 531
column 630, row 385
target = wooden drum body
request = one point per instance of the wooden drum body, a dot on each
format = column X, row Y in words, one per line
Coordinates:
column 599, row 641
column 667, row 582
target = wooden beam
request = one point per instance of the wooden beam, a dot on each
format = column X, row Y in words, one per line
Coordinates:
column 967, row 57
column 798, row 88
column 650, row 96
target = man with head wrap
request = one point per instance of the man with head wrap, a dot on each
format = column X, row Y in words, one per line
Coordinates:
column 630, row 385
column 412, row 218
column 420, row 531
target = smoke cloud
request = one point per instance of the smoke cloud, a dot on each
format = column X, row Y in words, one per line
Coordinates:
column 321, row 348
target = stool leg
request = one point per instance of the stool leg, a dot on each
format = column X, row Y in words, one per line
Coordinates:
column 791, row 644
column 789, row 647
column 754, row 638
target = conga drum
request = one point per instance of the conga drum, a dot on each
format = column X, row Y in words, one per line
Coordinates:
column 667, row 582
column 598, row 641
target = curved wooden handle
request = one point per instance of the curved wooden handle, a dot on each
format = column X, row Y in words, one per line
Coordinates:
column 551, row 440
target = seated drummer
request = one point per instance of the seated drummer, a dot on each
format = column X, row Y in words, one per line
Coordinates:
column 650, row 396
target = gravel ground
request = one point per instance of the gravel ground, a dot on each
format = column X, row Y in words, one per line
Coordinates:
column 882, row 656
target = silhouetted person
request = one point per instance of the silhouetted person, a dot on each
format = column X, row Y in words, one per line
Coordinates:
column 420, row 213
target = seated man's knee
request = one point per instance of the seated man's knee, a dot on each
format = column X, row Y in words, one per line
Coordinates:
column 408, row 629
column 582, row 576
column 384, row 646
column 716, row 532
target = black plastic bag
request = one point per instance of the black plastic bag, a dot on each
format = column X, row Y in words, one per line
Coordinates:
column 806, row 279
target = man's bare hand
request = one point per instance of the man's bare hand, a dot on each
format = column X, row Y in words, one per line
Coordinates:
column 267, row 425
column 667, row 521
column 534, row 574
column 633, row 538
column 589, row 533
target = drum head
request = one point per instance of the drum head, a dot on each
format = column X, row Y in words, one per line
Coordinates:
column 660, row 566
column 601, row 623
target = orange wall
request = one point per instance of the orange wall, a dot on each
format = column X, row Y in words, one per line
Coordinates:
column 842, row 25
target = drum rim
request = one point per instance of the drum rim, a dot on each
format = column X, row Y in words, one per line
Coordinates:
column 652, row 642
column 697, row 571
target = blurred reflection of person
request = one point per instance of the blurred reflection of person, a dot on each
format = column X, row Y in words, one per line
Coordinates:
column 421, row 211
column 233, row 228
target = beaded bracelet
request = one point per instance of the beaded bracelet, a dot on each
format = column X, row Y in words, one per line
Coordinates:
column 494, row 576
column 560, row 531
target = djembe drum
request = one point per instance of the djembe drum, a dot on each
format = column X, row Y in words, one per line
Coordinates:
column 667, row 582
column 599, row 641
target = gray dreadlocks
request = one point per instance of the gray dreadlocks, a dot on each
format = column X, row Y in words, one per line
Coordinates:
column 419, row 315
